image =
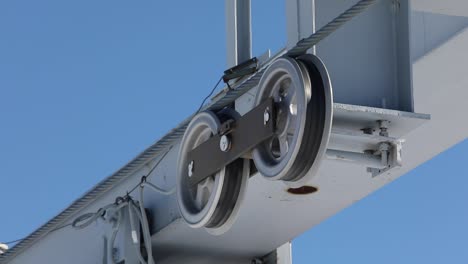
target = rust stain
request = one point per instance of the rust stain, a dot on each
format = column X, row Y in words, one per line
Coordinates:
column 303, row 190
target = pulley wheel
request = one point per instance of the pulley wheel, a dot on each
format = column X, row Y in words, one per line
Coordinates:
column 300, row 120
column 321, row 114
column 213, row 203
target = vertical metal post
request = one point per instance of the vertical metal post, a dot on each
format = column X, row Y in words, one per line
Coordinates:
column 300, row 20
column 284, row 254
column 238, row 31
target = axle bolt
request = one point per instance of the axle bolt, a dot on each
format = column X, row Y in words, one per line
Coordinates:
column 190, row 169
column 224, row 143
column 266, row 116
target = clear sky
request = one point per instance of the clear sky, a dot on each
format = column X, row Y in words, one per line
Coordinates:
column 86, row 85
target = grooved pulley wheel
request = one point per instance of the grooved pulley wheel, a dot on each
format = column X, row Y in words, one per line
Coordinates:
column 214, row 202
column 302, row 123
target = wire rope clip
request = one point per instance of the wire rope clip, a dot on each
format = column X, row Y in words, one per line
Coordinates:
column 143, row 180
column 245, row 68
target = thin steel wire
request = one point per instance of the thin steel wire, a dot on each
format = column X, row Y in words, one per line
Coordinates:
column 209, row 95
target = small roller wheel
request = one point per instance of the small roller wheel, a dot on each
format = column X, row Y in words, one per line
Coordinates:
column 300, row 120
column 214, row 202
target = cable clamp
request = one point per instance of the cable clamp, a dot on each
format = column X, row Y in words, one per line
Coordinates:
column 247, row 67
column 143, row 180
column 101, row 212
column 127, row 197
column 119, row 200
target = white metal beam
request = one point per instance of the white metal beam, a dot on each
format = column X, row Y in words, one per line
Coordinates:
column 446, row 7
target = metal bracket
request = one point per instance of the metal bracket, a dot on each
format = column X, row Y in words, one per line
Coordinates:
column 379, row 153
column 235, row 140
column 387, row 157
column 362, row 134
column 391, row 157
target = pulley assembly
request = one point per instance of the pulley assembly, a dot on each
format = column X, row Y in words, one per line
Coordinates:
column 285, row 134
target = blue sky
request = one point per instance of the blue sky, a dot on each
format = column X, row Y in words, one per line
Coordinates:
column 87, row 85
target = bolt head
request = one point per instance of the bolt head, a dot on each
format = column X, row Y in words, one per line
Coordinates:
column 224, row 143
column 190, row 168
column 266, row 116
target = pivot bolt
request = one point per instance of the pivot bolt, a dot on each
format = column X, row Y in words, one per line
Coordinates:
column 190, row 169
column 266, row 116
column 224, row 143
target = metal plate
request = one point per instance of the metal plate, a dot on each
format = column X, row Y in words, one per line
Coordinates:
column 246, row 133
column 356, row 117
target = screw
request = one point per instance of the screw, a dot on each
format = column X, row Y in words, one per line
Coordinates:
column 266, row 116
column 224, row 143
column 190, row 169
column 384, row 149
column 383, row 125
